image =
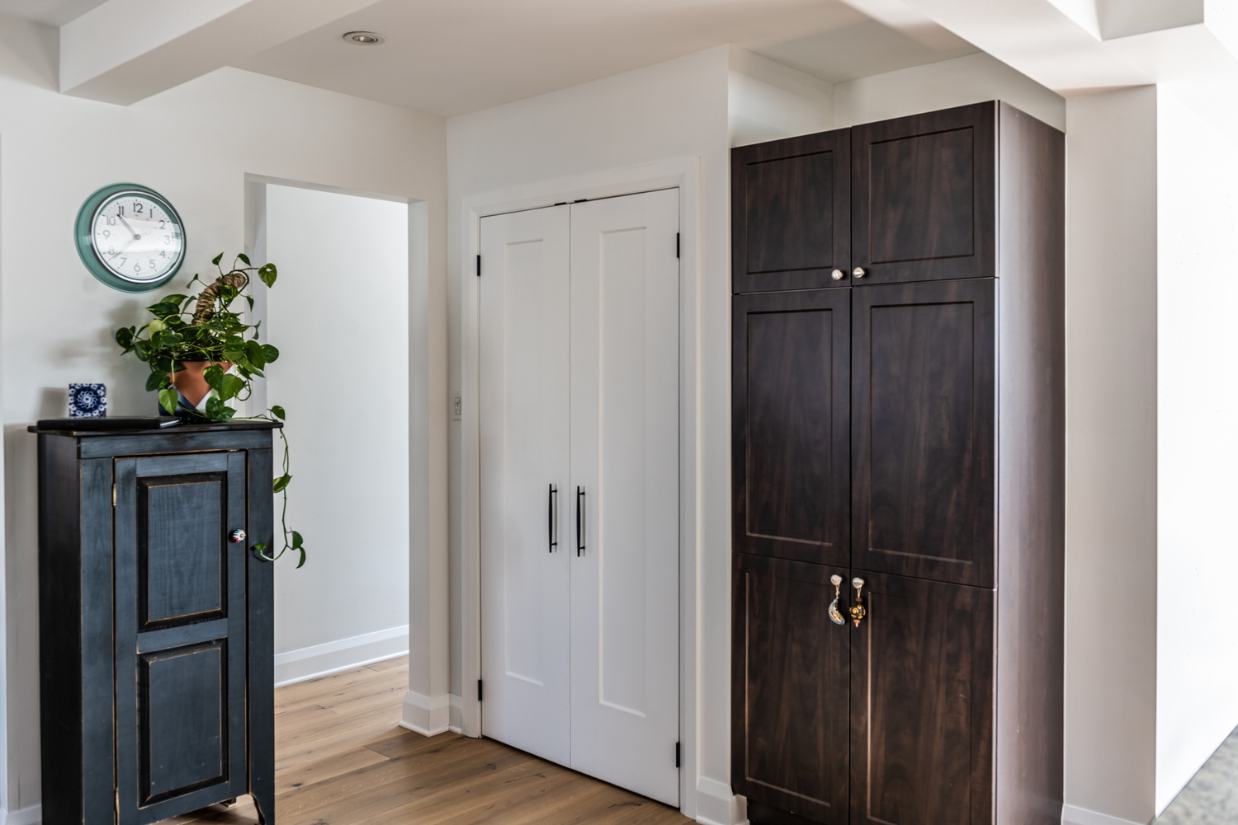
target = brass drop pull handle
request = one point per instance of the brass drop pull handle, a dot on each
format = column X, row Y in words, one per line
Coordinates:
column 836, row 615
column 857, row 610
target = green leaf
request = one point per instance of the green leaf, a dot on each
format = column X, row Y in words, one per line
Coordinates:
column 297, row 541
column 168, row 399
column 124, row 337
column 230, row 387
column 217, row 259
column 156, row 380
column 281, row 483
column 277, row 411
column 260, row 550
column 244, row 258
column 217, row 410
column 257, row 357
column 301, row 563
column 268, row 273
column 269, row 353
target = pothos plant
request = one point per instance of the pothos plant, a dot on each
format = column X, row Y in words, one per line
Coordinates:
column 207, row 328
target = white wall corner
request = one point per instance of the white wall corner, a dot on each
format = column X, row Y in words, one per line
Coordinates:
column 426, row 715
column 31, row 815
column 1073, row 815
column 317, row 661
column 717, row 805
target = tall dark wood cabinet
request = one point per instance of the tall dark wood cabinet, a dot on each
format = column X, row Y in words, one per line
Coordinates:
column 156, row 640
column 898, row 446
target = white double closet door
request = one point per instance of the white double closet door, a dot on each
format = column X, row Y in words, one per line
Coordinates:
column 579, row 367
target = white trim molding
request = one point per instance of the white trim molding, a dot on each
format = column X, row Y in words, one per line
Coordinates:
column 1073, row 815
column 426, row 715
column 717, row 805
column 31, row 815
column 317, row 661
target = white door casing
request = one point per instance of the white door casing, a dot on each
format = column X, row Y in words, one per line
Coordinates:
column 625, row 461
column 523, row 451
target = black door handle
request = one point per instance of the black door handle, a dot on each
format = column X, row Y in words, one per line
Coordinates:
column 551, row 534
column 580, row 521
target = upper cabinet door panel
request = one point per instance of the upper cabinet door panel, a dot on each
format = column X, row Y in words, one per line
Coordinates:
column 924, row 196
column 791, row 212
column 791, row 425
column 923, row 430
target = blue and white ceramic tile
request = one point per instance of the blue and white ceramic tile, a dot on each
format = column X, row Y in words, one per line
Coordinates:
column 87, row 400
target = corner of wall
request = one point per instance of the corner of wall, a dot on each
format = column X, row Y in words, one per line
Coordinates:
column 767, row 100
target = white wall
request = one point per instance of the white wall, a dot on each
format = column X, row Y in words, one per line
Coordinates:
column 1111, row 430
column 768, row 101
column 339, row 313
column 971, row 79
column 671, row 110
column 1197, row 448
column 195, row 144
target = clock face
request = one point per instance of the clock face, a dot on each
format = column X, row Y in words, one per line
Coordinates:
column 130, row 237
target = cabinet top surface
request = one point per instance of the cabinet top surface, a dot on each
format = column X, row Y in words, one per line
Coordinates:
column 180, row 429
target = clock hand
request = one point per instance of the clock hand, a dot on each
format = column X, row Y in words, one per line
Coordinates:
column 136, row 236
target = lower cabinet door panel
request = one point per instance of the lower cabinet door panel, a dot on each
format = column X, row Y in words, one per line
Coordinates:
column 921, row 704
column 790, row 685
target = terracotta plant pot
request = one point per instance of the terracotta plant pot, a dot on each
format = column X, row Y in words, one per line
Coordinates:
column 191, row 381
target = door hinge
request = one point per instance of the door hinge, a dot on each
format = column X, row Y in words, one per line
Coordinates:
column 478, row 266
column 676, row 244
column 479, row 690
column 677, row 755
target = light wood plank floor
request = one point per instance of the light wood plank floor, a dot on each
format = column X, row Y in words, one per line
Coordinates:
column 342, row 760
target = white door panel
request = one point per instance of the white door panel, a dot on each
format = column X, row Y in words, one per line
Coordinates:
column 524, row 399
column 625, row 459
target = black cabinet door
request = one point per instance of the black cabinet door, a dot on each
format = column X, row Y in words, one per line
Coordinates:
column 791, row 212
column 790, row 425
column 180, row 633
column 921, row 704
column 789, row 684
column 923, row 442
column 923, row 195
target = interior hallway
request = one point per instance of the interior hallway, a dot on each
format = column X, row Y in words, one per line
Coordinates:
column 341, row 760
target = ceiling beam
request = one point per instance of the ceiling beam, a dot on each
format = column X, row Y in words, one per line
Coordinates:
column 127, row 50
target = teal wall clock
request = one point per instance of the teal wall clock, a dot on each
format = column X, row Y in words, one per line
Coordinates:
column 130, row 237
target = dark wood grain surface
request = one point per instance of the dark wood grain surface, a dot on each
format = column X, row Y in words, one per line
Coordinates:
column 923, row 452
column 790, row 424
column 923, row 196
column 790, row 688
column 1031, row 474
column 791, row 208
column 921, row 704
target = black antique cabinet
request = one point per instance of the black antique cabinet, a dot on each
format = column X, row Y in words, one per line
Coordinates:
column 156, row 643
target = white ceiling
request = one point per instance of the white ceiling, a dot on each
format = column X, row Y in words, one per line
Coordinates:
column 52, row 12
column 450, row 57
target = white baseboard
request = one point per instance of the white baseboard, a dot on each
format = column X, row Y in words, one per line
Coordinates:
column 455, row 716
column 717, row 805
column 316, row 661
column 31, row 815
column 1073, row 815
column 427, row 715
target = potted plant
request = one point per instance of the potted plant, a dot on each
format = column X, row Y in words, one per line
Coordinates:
column 199, row 348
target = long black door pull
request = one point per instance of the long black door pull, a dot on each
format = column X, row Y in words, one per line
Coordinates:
column 552, row 537
column 580, row 521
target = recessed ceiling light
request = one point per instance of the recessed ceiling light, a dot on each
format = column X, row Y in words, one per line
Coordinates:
column 364, row 38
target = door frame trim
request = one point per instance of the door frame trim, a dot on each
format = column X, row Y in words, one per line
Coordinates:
column 682, row 173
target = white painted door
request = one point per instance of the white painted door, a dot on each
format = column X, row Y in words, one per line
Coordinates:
column 625, row 470
column 524, row 401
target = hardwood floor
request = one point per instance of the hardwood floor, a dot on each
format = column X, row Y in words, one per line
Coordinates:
column 342, row 760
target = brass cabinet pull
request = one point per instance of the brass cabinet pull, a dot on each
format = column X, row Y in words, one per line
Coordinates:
column 836, row 615
column 857, row 610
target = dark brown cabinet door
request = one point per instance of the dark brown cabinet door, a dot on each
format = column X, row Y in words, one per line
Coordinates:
column 790, row 688
column 791, row 212
column 181, row 654
column 921, row 704
column 924, row 196
column 923, row 440
column 790, row 424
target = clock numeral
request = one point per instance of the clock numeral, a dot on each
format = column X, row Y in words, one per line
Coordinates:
column 163, row 224
column 123, row 260
column 163, row 253
column 120, row 210
column 106, row 233
column 111, row 220
column 138, row 208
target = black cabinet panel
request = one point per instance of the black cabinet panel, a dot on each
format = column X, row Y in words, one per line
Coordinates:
column 923, row 421
column 790, row 382
column 183, row 700
column 921, row 704
column 924, row 196
column 790, row 690
column 181, row 549
column 790, row 201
